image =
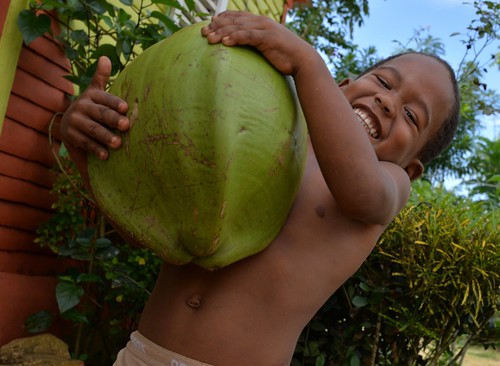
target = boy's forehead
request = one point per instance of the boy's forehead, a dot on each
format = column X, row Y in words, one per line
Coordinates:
column 415, row 62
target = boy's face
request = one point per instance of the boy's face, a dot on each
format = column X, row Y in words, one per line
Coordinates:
column 401, row 104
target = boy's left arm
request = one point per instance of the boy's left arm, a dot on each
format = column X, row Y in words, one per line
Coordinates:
column 364, row 188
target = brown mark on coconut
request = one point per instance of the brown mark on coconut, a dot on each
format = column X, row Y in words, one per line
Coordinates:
column 184, row 143
column 280, row 159
column 147, row 89
column 132, row 119
column 223, row 210
column 221, row 52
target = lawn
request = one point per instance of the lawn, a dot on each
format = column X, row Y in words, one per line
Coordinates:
column 478, row 356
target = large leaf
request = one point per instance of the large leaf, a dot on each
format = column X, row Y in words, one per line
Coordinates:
column 68, row 295
column 32, row 26
column 38, row 322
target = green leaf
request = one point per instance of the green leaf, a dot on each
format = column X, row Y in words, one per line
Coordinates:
column 66, row 252
column 81, row 255
column 107, row 253
column 107, row 50
column 32, row 26
column 122, row 17
column 127, row 2
column 75, row 316
column 124, row 46
column 363, row 286
column 354, row 360
column 88, row 233
column 165, row 20
column 320, row 360
column 88, row 277
column 190, row 4
column 359, row 301
column 63, row 152
column 171, row 3
column 83, row 241
column 38, row 322
column 68, row 295
column 97, row 6
column 102, row 243
column 79, row 37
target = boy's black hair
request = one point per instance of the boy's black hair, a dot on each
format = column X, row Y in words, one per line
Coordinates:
column 444, row 135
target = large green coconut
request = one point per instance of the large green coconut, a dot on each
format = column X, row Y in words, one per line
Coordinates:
column 212, row 162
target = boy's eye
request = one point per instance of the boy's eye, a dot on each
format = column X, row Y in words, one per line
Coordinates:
column 411, row 116
column 384, row 83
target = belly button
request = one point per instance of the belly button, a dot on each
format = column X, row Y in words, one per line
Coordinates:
column 194, row 301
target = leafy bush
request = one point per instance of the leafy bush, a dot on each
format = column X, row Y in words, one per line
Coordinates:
column 103, row 292
column 429, row 288
column 94, row 28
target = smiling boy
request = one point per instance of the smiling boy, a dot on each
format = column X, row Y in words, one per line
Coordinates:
column 369, row 138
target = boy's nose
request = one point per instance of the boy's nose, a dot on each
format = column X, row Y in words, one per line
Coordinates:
column 385, row 103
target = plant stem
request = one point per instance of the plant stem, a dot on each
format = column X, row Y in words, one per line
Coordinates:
column 373, row 356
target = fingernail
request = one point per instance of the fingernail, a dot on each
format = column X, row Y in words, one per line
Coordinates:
column 123, row 124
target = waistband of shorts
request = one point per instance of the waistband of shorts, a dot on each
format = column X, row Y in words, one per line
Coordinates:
column 155, row 355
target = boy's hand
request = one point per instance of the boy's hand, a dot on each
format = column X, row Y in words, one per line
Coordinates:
column 87, row 122
column 281, row 47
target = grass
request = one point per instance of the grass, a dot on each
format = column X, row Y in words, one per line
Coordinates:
column 478, row 356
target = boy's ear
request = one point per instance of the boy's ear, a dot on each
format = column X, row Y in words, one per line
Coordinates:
column 345, row 82
column 414, row 169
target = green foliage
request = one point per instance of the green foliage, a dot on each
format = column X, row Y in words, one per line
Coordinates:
column 326, row 24
column 432, row 280
column 108, row 282
column 94, row 28
column 74, row 210
column 33, row 26
column 484, row 179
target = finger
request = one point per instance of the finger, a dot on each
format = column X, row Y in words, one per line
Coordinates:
column 243, row 29
column 109, row 110
column 235, row 19
column 102, row 73
column 83, row 142
column 89, row 129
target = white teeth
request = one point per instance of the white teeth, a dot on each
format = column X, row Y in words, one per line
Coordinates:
column 367, row 123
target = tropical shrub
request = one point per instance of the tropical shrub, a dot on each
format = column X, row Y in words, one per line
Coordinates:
column 103, row 291
column 430, row 287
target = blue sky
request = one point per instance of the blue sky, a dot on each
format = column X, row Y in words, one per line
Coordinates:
column 391, row 20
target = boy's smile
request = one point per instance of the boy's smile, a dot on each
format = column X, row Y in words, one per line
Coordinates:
column 401, row 104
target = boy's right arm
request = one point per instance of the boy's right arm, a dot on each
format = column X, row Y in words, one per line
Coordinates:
column 364, row 188
column 87, row 123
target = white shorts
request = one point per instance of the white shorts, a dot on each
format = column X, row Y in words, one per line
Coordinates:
column 140, row 351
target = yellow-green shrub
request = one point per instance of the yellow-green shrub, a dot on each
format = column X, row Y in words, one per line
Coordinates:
column 432, row 279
